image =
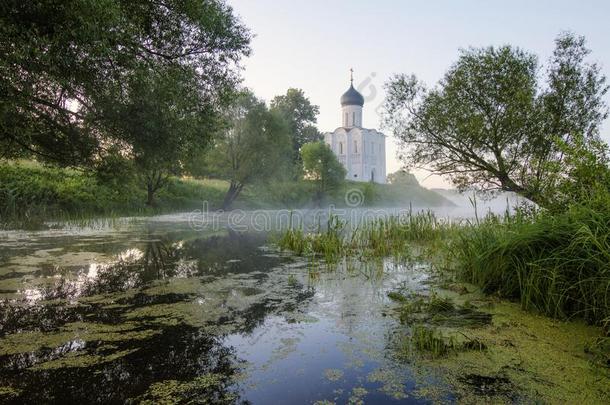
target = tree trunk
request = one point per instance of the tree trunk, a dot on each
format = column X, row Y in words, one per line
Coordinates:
column 232, row 193
column 154, row 181
column 150, row 199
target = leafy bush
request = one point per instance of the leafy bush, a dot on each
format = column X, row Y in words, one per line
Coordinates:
column 30, row 193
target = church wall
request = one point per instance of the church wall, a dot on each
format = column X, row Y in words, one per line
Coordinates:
column 363, row 152
column 351, row 116
column 360, row 150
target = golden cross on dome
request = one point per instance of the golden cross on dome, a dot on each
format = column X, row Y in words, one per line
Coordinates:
column 351, row 75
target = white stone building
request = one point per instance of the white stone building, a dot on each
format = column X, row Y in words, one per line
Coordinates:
column 360, row 150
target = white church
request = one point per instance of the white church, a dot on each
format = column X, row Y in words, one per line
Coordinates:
column 360, row 150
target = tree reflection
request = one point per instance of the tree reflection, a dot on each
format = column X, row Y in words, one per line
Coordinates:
column 111, row 332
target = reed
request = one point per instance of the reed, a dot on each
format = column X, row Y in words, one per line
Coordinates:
column 429, row 340
column 557, row 264
column 387, row 237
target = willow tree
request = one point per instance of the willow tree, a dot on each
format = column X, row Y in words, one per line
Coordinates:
column 254, row 147
column 301, row 116
column 492, row 124
column 163, row 124
column 64, row 62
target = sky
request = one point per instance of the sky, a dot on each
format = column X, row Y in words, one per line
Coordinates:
column 312, row 44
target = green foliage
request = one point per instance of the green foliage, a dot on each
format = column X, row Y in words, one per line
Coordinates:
column 491, row 124
column 402, row 178
column 429, row 340
column 164, row 122
column 254, row 148
column 321, row 165
column 301, row 116
column 65, row 63
column 115, row 170
column 585, row 176
column 31, row 193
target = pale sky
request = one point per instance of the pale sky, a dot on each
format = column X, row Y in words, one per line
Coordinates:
column 312, row 44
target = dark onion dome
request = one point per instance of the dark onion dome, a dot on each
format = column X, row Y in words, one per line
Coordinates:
column 352, row 97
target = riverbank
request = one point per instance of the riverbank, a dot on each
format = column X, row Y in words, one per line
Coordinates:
column 31, row 193
column 517, row 309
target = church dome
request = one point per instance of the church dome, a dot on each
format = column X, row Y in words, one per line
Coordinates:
column 352, row 97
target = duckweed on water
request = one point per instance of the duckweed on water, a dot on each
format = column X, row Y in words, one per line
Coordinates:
column 210, row 388
column 333, row 374
column 517, row 357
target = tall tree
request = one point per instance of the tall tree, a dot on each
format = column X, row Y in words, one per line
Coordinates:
column 164, row 123
column 254, row 147
column 301, row 116
column 490, row 123
column 321, row 165
column 59, row 58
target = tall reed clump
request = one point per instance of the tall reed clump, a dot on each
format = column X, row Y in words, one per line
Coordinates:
column 556, row 264
column 377, row 238
column 329, row 243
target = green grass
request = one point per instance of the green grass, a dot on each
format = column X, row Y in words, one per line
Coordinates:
column 555, row 264
column 429, row 340
column 385, row 237
column 31, row 193
column 558, row 265
column 299, row 194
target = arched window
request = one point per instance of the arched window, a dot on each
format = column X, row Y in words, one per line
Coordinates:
column 341, row 148
column 345, row 122
column 355, row 146
column 354, row 119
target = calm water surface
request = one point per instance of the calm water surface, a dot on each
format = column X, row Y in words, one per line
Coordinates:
column 152, row 309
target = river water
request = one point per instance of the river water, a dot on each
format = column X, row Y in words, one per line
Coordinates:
column 164, row 308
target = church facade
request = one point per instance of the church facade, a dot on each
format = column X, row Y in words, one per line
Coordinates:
column 360, row 150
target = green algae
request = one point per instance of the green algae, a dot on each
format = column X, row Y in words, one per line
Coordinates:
column 9, row 393
column 391, row 382
column 210, row 388
column 526, row 358
column 76, row 359
column 34, row 341
column 357, row 395
column 333, row 374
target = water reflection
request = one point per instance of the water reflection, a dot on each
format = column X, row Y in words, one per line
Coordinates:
column 164, row 312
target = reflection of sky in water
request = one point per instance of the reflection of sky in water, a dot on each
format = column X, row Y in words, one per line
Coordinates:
column 110, row 300
column 336, row 344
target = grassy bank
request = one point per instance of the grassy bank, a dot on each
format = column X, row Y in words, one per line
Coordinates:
column 557, row 265
column 31, row 193
column 507, row 312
